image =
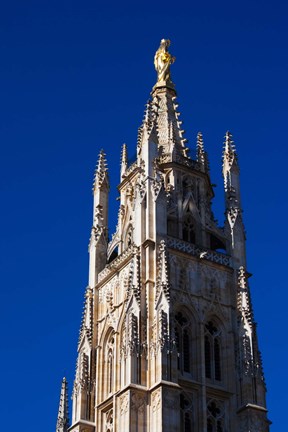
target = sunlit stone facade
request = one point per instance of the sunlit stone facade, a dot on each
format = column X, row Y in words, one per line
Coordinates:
column 168, row 339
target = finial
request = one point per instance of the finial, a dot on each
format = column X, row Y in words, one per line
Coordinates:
column 101, row 170
column 63, row 414
column 162, row 62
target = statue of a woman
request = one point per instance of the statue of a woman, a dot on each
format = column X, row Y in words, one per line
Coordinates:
column 162, row 61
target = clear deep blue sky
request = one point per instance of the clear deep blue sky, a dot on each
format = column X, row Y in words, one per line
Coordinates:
column 74, row 79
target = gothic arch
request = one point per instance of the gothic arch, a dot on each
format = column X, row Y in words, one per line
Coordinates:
column 215, row 416
column 186, row 413
column 215, row 343
column 107, row 364
column 184, row 328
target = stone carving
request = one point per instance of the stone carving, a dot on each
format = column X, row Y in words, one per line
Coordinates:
column 109, row 420
column 156, row 400
column 124, row 403
column 117, row 262
column 163, row 283
column 192, row 249
column 86, row 328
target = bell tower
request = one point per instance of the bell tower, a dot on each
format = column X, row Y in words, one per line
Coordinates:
column 168, row 339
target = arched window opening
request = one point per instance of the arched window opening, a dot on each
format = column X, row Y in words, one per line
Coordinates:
column 187, row 423
column 215, row 417
column 183, row 338
column 186, row 414
column 207, row 357
column 110, row 364
column 212, row 346
column 189, row 229
column 113, row 255
column 186, row 351
column 217, row 365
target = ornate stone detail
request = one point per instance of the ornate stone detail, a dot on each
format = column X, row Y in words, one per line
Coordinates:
column 133, row 334
column 101, row 171
column 86, row 328
column 163, row 284
column 134, row 279
column 124, row 403
column 163, row 334
column 109, row 420
column 117, row 262
column 158, row 181
column 96, row 233
column 194, row 250
column 156, row 400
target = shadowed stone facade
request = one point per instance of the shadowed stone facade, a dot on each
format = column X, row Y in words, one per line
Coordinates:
column 168, row 339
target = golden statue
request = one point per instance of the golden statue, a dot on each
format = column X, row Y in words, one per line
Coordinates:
column 162, row 61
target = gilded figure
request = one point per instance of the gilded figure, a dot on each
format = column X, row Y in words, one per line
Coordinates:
column 162, row 61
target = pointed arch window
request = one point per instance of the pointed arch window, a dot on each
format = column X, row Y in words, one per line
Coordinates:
column 212, row 346
column 188, row 231
column 186, row 414
column 110, row 364
column 183, row 342
column 215, row 417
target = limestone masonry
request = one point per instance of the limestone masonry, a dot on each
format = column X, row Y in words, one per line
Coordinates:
column 168, row 339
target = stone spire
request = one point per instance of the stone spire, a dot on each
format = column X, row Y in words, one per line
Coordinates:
column 162, row 111
column 99, row 231
column 230, row 162
column 63, row 414
column 234, row 223
column 201, row 155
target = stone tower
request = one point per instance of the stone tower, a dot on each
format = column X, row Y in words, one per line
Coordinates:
column 168, row 338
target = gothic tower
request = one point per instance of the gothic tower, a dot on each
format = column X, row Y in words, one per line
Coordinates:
column 168, row 338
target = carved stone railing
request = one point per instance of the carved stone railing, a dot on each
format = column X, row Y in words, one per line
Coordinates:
column 196, row 251
column 130, row 169
column 117, row 262
column 167, row 157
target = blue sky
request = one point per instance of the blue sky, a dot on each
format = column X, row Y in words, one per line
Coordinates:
column 75, row 77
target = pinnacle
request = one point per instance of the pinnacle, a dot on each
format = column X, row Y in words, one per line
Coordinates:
column 229, row 145
column 124, row 156
column 101, row 170
column 124, row 160
column 63, row 415
column 229, row 153
column 201, row 155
